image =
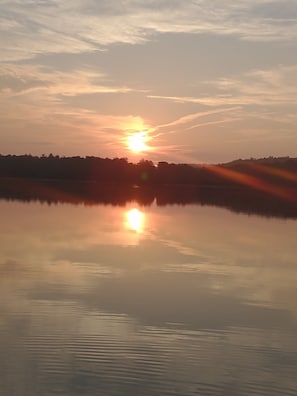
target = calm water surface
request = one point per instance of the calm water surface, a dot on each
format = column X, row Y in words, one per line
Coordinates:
column 103, row 300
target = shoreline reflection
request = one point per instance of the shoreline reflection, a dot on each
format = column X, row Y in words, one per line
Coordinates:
column 235, row 199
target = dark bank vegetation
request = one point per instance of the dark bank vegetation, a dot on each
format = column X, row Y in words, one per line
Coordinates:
column 280, row 171
column 265, row 187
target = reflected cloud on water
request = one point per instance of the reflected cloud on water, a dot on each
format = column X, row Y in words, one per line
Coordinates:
column 188, row 298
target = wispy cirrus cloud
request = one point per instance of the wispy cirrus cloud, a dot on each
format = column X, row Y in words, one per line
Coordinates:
column 20, row 80
column 189, row 118
column 260, row 105
column 262, row 87
column 35, row 107
column 270, row 87
column 184, row 82
column 29, row 28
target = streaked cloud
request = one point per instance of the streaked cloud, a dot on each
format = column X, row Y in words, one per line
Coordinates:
column 26, row 79
column 29, row 28
column 188, row 119
column 76, row 76
column 259, row 87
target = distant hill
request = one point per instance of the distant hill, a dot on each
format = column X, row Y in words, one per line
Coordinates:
column 273, row 161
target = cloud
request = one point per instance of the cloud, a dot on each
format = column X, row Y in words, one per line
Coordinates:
column 32, row 93
column 260, row 105
column 272, row 87
column 37, row 106
column 54, row 26
column 19, row 80
column 263, row 87
column 187, row 119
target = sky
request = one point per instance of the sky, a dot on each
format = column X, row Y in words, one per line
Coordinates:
column 199, row 80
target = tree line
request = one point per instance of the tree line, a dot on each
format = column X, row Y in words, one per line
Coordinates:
column 279, row 171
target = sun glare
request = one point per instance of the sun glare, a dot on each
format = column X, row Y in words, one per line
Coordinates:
column 137, row 142
column 135, row 220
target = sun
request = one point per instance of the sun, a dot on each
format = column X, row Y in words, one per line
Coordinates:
column 137, row 142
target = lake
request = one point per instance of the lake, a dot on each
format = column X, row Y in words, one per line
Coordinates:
column 146, row 300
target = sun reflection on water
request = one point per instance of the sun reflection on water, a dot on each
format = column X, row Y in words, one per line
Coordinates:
column 135, row 220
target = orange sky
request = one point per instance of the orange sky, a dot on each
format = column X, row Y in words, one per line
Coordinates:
column 202, row 81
